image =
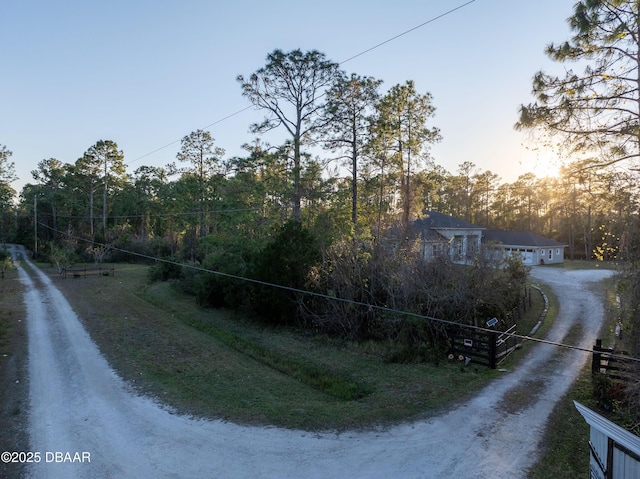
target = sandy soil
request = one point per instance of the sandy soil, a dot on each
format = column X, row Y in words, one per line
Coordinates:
column 79, row 405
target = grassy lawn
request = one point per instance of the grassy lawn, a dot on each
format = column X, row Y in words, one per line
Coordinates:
column 584, row 264
column 13, row 372
column 217, row 363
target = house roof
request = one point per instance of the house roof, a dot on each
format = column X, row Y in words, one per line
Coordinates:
column 520, row 238
column 432, row 236
column 435, row 220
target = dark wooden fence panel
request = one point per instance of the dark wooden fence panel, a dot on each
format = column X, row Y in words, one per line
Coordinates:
column 490, row 348
column 479, row 346
column 608, row 362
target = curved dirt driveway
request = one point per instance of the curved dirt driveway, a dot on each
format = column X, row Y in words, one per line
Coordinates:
column 78, row 404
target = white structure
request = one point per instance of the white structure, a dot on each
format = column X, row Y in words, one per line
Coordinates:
column 532, row 248
column 615, row 452
column 442, row 234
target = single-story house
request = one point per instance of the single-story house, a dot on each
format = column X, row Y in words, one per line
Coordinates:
column 460, row 241
column 531, row 247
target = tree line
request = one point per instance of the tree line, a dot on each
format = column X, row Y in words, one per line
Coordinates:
column 170, row 209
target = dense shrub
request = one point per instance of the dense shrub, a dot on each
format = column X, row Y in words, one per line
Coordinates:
column 217, row 289
column 397, row 277
column 149, row 248
column 165, row 271
column 284, row 261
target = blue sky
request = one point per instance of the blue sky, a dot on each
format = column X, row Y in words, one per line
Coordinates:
column 145, row 73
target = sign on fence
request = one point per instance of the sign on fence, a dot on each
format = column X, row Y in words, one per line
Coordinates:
column 480, row 346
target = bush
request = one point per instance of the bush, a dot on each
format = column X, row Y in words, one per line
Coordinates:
column 61, row 257
column 219, row 290
column 165, row 270
column 286, row 261
column 6, row 262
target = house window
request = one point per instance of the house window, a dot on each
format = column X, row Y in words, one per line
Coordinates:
column 459, row 250
column 557, row 252
column 542, row 252
column 473, row 244
column 437, row 250
column 550, row 254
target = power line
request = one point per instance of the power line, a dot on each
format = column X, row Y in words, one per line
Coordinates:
column 385, row 309
column 162, row 215
column 203, row 128
column 406, row 32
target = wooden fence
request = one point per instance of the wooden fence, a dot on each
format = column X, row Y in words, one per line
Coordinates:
column 489, row 348
column 506, row 343
column 608, row 362
column 478, row 346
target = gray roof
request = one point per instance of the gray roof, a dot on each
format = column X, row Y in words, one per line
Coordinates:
column 435, row 220
column 520, row 238
column 432, row 236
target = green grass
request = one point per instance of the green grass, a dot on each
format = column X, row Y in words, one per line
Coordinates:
column 576, row 264
column 11, row 309
column 217, row 363
column 6, row 332
column 13, row 372
column 522, row 395
column 324, row 379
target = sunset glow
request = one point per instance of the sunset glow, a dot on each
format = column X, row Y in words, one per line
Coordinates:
column 547, row 167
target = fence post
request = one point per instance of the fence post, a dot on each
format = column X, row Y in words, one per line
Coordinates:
column 595, row 361
column 493, row 340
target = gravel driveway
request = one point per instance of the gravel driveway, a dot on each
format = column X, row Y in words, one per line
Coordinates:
column 81, row 411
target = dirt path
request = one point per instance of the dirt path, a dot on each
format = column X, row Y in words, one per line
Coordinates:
column 79, row 405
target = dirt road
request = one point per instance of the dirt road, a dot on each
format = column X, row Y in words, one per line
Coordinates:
column 82, row 411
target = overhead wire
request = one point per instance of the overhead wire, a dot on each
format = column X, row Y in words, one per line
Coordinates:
column 203, row 128
column 395, row 37
column 385, row 309
column 407, row 31
column 160, row 215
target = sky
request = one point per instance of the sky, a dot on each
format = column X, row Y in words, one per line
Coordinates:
column 146, row 73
